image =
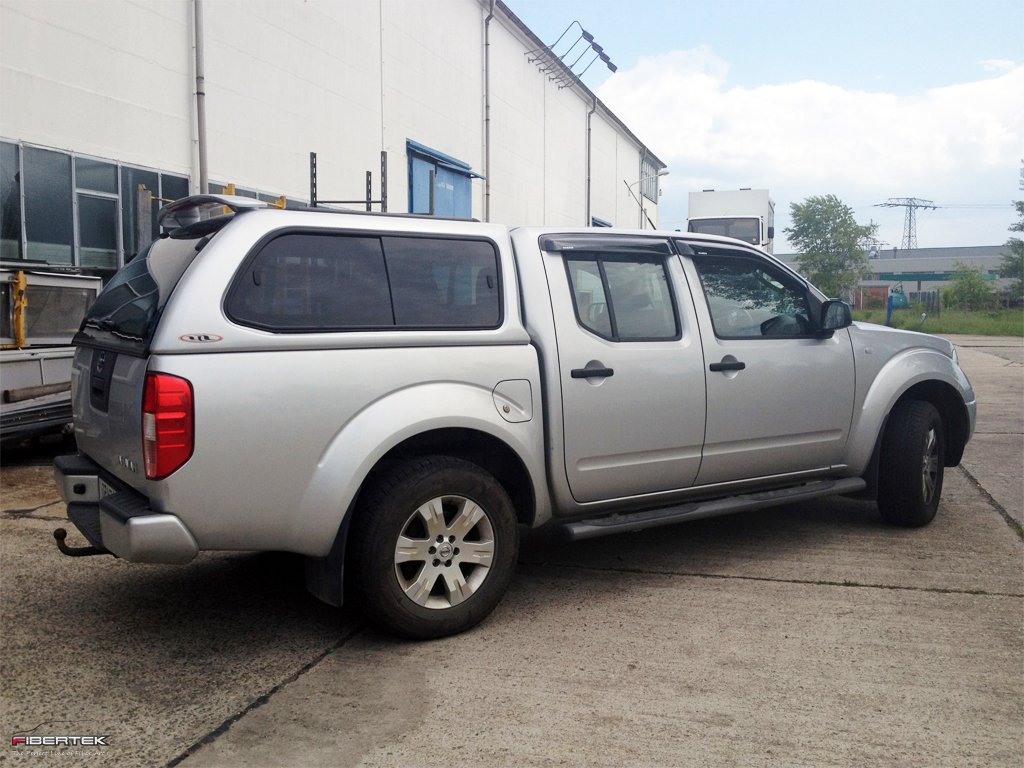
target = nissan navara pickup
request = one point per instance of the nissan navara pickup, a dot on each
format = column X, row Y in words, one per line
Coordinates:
column 394, row 396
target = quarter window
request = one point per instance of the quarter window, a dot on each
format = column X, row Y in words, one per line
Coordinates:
column 623, row 298
column 443, row 283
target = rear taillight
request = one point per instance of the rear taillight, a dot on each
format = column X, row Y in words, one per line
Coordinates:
column 167, row 427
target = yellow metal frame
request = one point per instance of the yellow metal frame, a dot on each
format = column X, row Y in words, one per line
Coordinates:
column 19, row 293
column 280, row 202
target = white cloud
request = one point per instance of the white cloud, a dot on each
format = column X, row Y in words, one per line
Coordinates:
column 811, row 137
column 998, row 65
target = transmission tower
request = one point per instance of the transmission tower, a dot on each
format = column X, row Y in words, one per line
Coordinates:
column 910, row 222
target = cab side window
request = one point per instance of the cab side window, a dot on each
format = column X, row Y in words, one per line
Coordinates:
column 748, row 298
column 623, row 298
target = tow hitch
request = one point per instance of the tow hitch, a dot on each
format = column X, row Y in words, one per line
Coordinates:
column 60, row 534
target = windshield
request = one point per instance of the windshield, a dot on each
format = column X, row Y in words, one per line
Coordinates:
column 125, row 314
column 746, row 229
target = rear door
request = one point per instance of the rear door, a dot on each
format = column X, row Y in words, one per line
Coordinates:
column 630, row 365
column 780, row 395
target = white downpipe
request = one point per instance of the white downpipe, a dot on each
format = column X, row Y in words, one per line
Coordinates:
column 204, row 178
column 487, row 113
column 590, row 115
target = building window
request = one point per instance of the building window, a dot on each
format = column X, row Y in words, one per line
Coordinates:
column 97, row 232
column 439, row 185
column 10, row 201
column 95, row 175
column 173, row 187
column 649, row 180
column 66, row 209
column 96, row 193
column 49, row 229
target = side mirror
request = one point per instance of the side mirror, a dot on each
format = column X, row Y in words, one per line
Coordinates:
column 835, row 314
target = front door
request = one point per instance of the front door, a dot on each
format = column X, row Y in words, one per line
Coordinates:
column 631, row 368
column 780, row 396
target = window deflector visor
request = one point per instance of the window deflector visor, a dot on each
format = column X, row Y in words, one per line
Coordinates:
column 605, row 243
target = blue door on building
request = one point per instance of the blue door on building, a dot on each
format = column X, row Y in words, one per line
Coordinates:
column 452, row 190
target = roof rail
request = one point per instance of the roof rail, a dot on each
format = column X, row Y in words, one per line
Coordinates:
column 191, row 210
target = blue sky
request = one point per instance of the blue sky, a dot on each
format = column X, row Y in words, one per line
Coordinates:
column 864, row 99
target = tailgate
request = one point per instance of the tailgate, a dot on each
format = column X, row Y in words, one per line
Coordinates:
column 109, row 374
column 107, row 389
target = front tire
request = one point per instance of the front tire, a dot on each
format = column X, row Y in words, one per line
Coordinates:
column 911, row 465
column 432, row 547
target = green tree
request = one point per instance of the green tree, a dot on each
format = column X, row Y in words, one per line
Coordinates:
column 1012, row 265
column 969, row 290
column 828, row 239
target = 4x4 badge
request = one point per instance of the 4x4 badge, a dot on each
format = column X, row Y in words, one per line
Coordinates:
column 201, row 338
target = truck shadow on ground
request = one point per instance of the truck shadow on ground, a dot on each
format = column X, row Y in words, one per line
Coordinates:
column 251, row 599
column 225, row 589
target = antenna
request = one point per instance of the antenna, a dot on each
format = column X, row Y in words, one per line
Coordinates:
column 872, row 244
column 910, row 222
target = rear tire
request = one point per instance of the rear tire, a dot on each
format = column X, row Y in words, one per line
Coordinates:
column 911, row 465
column 432, row 547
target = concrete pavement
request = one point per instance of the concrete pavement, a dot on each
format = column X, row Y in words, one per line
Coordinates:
column 807, row 635
column 995, row 455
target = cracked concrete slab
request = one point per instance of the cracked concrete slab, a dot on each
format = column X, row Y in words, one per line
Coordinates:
column 602, row 668
column 155, row 657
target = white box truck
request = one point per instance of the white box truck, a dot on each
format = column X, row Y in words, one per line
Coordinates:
column 746, row 214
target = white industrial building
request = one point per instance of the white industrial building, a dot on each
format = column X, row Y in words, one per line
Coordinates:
column 476, row 116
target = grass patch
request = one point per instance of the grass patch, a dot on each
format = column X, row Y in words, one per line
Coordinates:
column 985, row 322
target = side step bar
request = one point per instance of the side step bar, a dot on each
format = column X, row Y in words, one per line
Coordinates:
column 652, row 518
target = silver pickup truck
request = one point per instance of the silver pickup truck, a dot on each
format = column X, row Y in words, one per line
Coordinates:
column 393, row 396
